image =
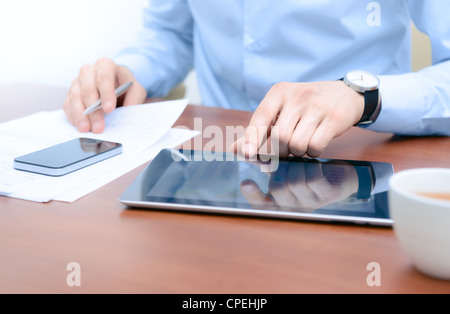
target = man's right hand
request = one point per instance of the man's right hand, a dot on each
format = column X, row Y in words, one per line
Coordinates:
column 99, row 81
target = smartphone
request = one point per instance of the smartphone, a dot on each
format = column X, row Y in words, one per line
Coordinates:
column 67, row 157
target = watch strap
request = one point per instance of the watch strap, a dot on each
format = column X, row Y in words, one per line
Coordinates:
column 371, row 107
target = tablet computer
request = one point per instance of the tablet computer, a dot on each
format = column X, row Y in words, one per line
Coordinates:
column 325, row 190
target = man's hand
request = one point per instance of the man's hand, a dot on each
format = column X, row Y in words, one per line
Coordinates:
column 307, row 116
column 99, row 81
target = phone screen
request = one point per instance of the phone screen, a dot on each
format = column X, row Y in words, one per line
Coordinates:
column 68, row 156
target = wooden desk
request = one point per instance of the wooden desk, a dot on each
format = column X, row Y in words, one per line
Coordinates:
column 134, row 251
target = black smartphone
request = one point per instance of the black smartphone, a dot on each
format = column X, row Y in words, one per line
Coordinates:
column 67, row 157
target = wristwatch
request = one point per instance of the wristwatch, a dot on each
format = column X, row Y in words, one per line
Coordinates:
column 367, row 84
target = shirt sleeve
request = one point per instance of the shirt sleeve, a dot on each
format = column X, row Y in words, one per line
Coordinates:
column 162, row 54
column 419, row 103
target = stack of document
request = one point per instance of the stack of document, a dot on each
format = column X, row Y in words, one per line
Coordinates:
column 143, row 130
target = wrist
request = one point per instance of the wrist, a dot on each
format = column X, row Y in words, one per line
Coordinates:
column 359, row 105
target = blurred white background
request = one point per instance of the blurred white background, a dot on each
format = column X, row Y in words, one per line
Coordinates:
column 47, row 41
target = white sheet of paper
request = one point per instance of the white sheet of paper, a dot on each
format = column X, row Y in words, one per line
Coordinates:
column 136, row 127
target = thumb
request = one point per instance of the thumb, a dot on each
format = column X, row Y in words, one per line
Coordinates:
column 135, row 95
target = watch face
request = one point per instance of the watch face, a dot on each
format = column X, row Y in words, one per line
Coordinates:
column 363, row 80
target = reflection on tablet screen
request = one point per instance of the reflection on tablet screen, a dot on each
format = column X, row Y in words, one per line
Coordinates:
column 299, row 185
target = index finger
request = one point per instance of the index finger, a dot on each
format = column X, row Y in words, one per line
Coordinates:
column 255, row 197
column 106, row 84
column 258, row 129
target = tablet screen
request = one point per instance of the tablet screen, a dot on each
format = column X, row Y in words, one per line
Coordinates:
column 297, row 186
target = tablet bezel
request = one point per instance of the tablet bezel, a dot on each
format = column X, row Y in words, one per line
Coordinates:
column 127, row 199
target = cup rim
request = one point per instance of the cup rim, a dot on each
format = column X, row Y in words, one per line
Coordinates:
column 393, row 183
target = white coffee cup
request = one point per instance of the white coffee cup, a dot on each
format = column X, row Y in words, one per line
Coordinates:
column 422, row 223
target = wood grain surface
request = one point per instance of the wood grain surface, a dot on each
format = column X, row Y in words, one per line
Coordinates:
column 123, row 250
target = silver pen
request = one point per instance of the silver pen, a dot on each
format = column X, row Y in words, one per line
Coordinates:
column 98, row 104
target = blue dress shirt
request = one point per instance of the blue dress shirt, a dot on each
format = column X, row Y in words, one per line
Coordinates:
column 240, row 48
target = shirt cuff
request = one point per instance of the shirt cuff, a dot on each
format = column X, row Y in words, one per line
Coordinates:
column 404, row 101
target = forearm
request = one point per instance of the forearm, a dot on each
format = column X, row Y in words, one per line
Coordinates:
column 161, row 56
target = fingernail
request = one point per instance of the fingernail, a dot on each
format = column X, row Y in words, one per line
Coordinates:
column 249, row 149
